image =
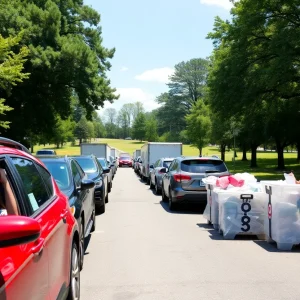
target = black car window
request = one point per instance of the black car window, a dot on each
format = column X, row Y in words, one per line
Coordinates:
column 99, row 166
column 203, row 165
column 76, row 174
column 87, row 164
column 171, row 167
column 47, row 179
column 59, row 171
column 103, row 162
column 81, row 172
column 34, row 185
column 167, row 163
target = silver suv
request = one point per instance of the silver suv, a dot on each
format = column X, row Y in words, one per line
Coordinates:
column 182, row 182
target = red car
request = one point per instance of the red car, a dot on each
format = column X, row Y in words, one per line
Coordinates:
column 39, row 236
column 125, row 161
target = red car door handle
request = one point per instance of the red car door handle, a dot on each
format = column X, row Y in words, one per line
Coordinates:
column 38, row 248
column 64, row 214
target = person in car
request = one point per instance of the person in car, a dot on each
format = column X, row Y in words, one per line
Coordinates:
column 8, row 203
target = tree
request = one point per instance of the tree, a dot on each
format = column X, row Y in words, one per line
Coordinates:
column 110, row 115
column 66, row 58
column 82, row 130
column 139, row 127
column 63, row 131
column 199, row 125
column 137, row 109
column 11, row 70
column 189, row 80
column 99, row 129
column 151, row 129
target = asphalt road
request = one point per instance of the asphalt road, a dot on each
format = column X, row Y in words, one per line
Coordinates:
column 141, row 251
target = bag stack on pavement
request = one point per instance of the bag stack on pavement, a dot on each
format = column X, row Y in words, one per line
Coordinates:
column 236, row 205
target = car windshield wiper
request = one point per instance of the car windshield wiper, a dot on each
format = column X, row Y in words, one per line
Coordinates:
column 212, row 171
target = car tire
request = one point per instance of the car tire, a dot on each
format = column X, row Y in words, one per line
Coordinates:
column 148, row 180
column 81, row 245
column 100, row 209
column 157, row 190
column 106, row 198
column 151, row 185
column 172, row 205
column 163, row 195
column 74, row 285
column 109, row 187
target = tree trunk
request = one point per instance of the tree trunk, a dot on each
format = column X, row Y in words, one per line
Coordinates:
column 280, row 155
column 31, row 148
column 298, row 151
column 80, row 141
column 200, row 152
column 244, row 153
column 253, row 163
column 223, row 151
column 57, row 145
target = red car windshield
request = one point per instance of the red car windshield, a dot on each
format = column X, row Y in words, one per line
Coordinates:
column 125, row 158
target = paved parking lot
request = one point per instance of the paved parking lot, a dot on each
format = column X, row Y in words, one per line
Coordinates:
column 142, row 251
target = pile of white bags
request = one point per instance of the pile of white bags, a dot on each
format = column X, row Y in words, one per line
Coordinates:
column 238, row 204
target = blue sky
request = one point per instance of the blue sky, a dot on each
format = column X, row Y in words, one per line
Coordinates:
column 150, row 37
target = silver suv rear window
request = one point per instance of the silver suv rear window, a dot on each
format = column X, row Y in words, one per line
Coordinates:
column 203, row 166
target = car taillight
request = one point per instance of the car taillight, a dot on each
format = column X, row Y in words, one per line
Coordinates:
column 182, row 178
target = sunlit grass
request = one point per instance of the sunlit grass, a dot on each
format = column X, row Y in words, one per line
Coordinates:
column 267, row 161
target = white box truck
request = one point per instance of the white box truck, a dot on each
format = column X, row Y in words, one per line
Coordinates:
column 99, row 150
column 114, row 153
column 151, row 152
column 136, row 153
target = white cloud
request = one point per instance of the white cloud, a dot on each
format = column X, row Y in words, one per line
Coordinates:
column 160, row 75
column 124, row 69
column 131, row 95
column 223, row 3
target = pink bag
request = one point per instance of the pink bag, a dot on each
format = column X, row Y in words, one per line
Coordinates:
column 223, row 182
column 236, row 181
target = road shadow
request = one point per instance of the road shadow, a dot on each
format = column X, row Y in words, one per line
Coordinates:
column 213, row 234
column 186, row 209
column 216, row 235
column 272, row 247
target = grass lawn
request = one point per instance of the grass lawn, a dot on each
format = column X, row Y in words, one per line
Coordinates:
column 267, row 161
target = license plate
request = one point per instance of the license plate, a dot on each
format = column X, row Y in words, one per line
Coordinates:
column 202, row 183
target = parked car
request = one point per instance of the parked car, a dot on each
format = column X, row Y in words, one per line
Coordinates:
column 39, row 236
column 182, row 182
column 125, row 160
column 106, row 165
column 92, row 167
column 113, row 164
column 74, row 183
column 138, row 165
column 45, row 152
column 156, row 174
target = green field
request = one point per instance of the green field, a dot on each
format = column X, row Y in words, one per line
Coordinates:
column 267, row 161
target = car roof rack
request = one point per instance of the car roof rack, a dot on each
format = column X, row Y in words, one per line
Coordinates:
column 13, row 144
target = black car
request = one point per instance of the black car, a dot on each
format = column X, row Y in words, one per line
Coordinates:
column 74, row 183
column 92, row 167
column 106, row 165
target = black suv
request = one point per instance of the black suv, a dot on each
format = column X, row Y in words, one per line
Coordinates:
column 183, row 183
column 92, row 167
column 74, row 183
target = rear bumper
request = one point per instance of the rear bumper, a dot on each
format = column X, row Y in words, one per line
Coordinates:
column 127, row 165
column 182, row 196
